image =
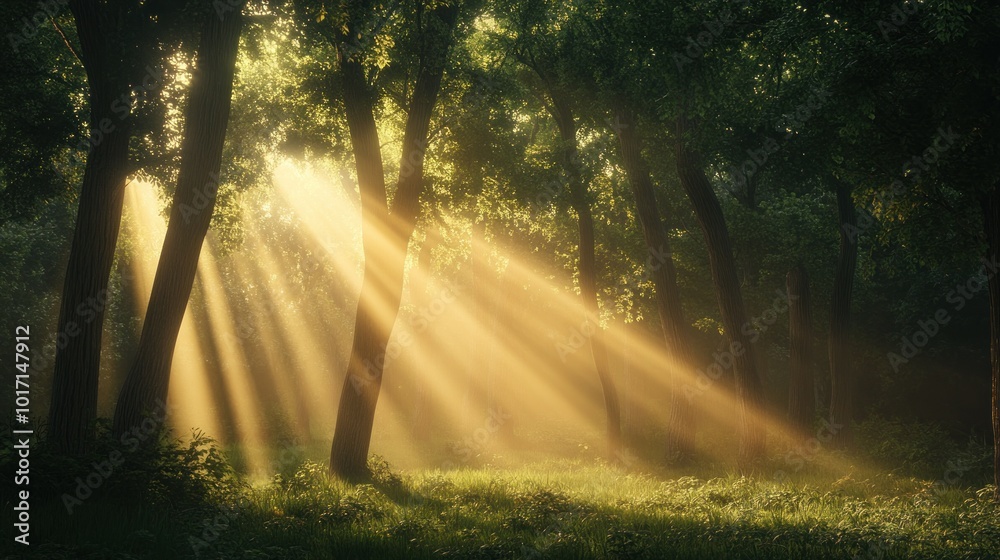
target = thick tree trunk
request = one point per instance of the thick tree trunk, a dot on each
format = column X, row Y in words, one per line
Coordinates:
column 81, row 317
column 385, row 236
column 205, row 123
column 843, row 382
column 991, row 224
column 749, row 387
column 587, row 269
column 73, row 407
column 681, row 429
column 801, row 383
column 113, row 68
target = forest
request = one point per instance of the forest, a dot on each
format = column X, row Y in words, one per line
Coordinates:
column 500, row 279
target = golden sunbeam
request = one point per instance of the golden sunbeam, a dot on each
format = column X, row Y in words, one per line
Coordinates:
column 190, row 396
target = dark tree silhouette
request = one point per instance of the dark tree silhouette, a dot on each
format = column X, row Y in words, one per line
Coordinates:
column 386, row 230
column 676, row 335
column 801, row 383
column 749, row 387
column 117, row 49
column 842, row 376
column 206, row 119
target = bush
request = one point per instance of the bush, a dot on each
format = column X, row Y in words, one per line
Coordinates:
column 907, row 447
column 162, row 472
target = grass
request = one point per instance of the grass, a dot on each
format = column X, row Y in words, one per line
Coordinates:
column 556, row 509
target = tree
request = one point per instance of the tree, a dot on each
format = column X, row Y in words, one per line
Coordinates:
column 547, row 56
column 749, row 387
column 570, row 156
column 386, row 229
column 117, row 50
column 681, row 429
column 991, row 224
column 841, row 374
column 205, row 120
column 801, row 385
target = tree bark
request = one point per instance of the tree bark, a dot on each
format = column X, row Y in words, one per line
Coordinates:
column 587, row 269
column 681, row 429
column 749, row 387
column 801, row 384
column 76, row 372
column 843, row 382
column 73, row 407
column 991, row 225
column 385, row 235
column 205, row 122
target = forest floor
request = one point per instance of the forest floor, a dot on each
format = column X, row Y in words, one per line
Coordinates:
column 555, row 509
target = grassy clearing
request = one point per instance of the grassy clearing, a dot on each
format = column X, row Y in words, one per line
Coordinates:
column 561, row 509
column 908, row 492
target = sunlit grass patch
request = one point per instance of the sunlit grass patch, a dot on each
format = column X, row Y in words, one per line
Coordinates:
column 550, row 509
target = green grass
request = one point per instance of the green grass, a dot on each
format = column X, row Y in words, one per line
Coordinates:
column 558, row 509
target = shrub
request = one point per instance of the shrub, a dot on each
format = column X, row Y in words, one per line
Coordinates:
column 908, row 447
column 165, row 471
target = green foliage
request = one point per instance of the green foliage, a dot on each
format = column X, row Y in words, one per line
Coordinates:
column 165, row 472
column 923, row 449
column 556, row 510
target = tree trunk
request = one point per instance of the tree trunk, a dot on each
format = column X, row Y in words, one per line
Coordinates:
column 113, row 68
column 385, row 236
column 801, row 383
column 73, row 407
column 681, row 429
column 205, row 122
column 587, row 269
column 749, row 388
column 991, row 224
column 843, row 383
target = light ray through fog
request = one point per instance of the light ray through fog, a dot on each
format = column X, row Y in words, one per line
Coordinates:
column 231, row 366
column 264, row 352
column 189, row 378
